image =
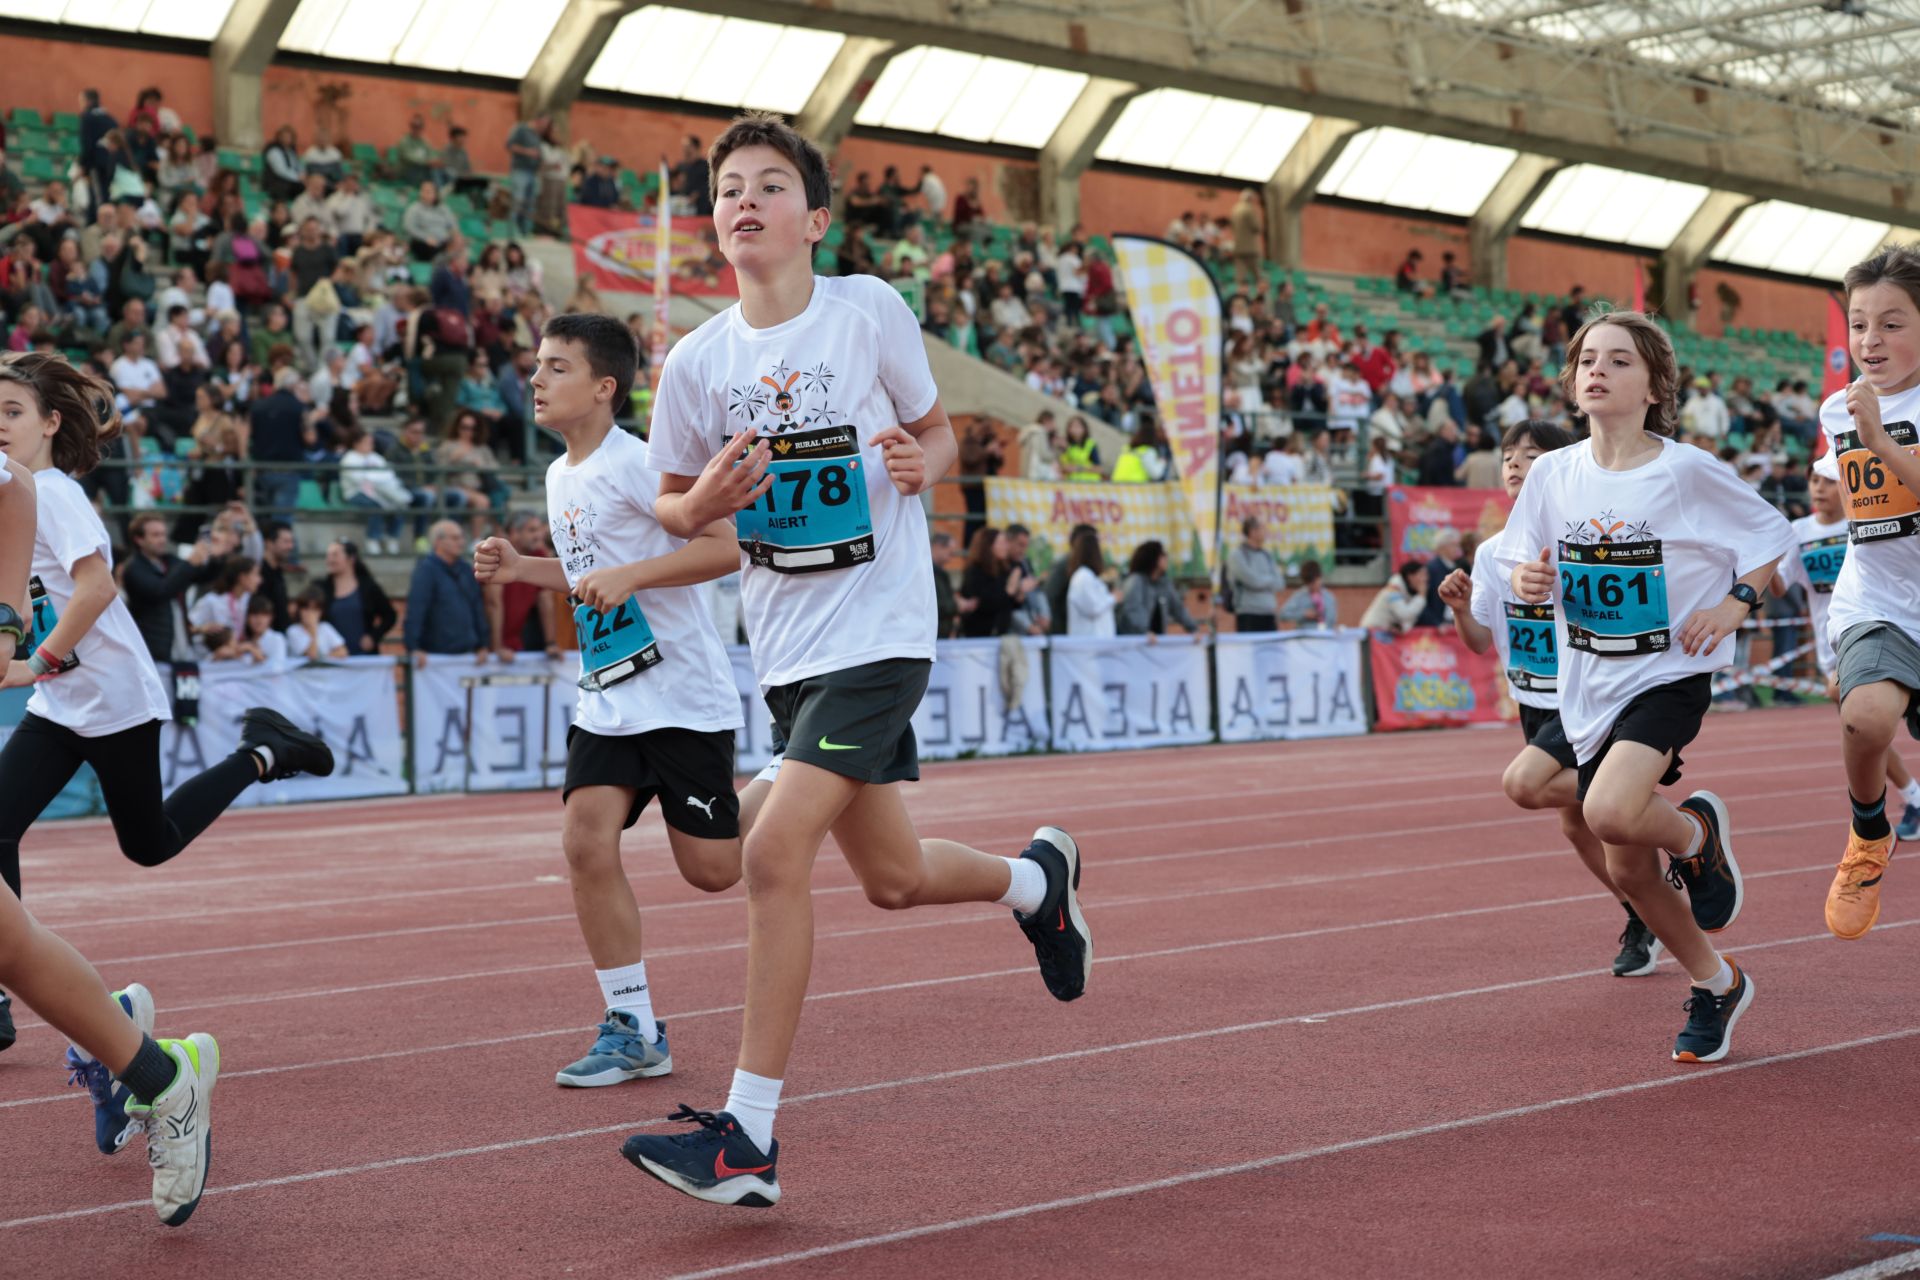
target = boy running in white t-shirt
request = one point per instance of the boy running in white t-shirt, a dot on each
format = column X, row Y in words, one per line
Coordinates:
column 808, row 416
column 1661, row 552
column 1823, row 550
column 658, row 705
column 1873, row 617
column 1528, row 640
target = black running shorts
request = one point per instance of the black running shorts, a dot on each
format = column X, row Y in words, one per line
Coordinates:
column 689, row 769
column 1666, row 717
column 857, row 723
column 1543, row 729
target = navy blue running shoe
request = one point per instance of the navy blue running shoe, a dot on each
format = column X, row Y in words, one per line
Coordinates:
column 1059, row 934
column 717, row 1162
column 7, row 1033
column 1710, row 878
column 1710, row 1018
column 112, row 1127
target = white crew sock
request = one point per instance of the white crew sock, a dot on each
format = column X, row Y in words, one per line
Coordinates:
column 265, row 756
column 753, row 1101
column 1699, row 835
column 626, row 989
column 1911, row 794
column 1721, row 982
column 1028, row 887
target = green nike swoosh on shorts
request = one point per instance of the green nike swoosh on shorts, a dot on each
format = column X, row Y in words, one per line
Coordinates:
column 834, row 746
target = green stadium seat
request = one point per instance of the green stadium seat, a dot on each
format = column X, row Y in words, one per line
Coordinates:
column 24, row 116
column 422, row 272
column 37, row 169
column 65, row 121
column 310, row 498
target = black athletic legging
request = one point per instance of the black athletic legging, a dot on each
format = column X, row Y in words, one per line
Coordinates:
column 41, row 758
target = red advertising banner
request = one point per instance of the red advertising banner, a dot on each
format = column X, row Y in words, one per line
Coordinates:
column 1415, row 517
column 1428, row 679
column 617, row 249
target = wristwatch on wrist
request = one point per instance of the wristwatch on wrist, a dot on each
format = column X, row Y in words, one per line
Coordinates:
column 1747, row 596
column 10, row 623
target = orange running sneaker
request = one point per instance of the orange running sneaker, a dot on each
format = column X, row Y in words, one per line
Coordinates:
column 1853, row 903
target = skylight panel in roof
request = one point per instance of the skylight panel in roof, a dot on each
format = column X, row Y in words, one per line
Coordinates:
column 1611, row 204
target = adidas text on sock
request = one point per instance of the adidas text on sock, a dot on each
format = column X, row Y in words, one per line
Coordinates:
column 626, row 990
column 1027, row 887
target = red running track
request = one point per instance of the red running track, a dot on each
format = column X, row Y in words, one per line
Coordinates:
column 1351, row 1016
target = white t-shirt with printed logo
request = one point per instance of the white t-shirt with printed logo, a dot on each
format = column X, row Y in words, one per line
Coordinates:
column 853, row 358
column 1880, row 581
column 1824, row 544
column 601, row 513
column 1492, row 593
column 116, row 685
column 1710, row 528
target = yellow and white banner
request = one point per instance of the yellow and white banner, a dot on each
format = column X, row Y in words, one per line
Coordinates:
column 1177, row 317
column 1299, row 519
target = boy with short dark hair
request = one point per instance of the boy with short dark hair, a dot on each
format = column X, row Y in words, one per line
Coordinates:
column 808, row 416
column 657, row 706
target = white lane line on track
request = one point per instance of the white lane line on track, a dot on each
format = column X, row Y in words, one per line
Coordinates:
column 1899, row 1264
column 957, row 979
column 1872, row 1272
column 718, row 901
column 540, row 825
column 908, row 1082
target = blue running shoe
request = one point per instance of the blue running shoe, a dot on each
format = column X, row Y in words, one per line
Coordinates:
column 7, row 1032
column 1909, row 828
column 112, row 1127
column 717, row 1162
column 1710, row 1020
column 619, row 1055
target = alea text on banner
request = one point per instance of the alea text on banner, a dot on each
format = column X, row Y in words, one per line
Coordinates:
column 1429, row 679
column 1177, row 317
column 1416, row 517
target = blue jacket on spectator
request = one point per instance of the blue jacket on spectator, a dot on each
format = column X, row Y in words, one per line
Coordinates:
column 445, row 610
column 278, row 421
column 450, row 290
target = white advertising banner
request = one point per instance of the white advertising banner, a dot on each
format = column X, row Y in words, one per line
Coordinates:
column 1296, row 684
column 521, row 710
column 352, row 703
column 966, row 710
column 1124, row 693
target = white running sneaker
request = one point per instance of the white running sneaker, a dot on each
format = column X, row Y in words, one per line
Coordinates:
column 179, row 1126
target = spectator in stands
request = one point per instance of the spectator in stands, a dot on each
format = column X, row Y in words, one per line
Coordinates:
column 1705, row 413
column 219, row 616
column 470, row 465
column 1248, row 240
column 1399, row 604
column 1080, row 454
column 1574, row 314
column 969, row 212
column 556, row 166
column 446, row 613
column 521, row 618
column 908, row 257
column 176, row 173
column 1143, row 462
column 1150, row 600
column 190, row 234
column 1390, row 422
column 981, row 456
column 428, row 224
column 1406, row 277
column 1090, row 598
column 994, row 587
column 442, row 342
column 690, row 179
column 324, row 158
column 1312, row 607
column 281, row 434
column 1033, row 615
column 283, row 176
column 135, row 374
column 156, row 582
column 1449, row 553
column 1437, row 465
column 415, row 159
column 1492, row 340
column 315, row 309
column 1377, row 362
column 1255, row 579
column 947, row 608
column 312, row 202
column 353, row 601
column 95, row 123
column 368, row 482
column 1796, row 408
column 310, row 637
column 598, row 190
column 278, row 554
column 456, row 166
column 1070, row 281
column 1349, row 401
column 1482, row 467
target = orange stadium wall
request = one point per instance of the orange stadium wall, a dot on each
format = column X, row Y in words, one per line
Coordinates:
column 1112, row 202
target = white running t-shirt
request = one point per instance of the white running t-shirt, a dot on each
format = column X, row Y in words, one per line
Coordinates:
column 1816, row 567
column 839, row 571
column 602, row 515
column 1880, row 581
column 1639, row 552
column 115, row 686
column 1528, row 637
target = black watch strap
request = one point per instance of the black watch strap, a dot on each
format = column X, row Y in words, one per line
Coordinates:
column 1746, row 595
